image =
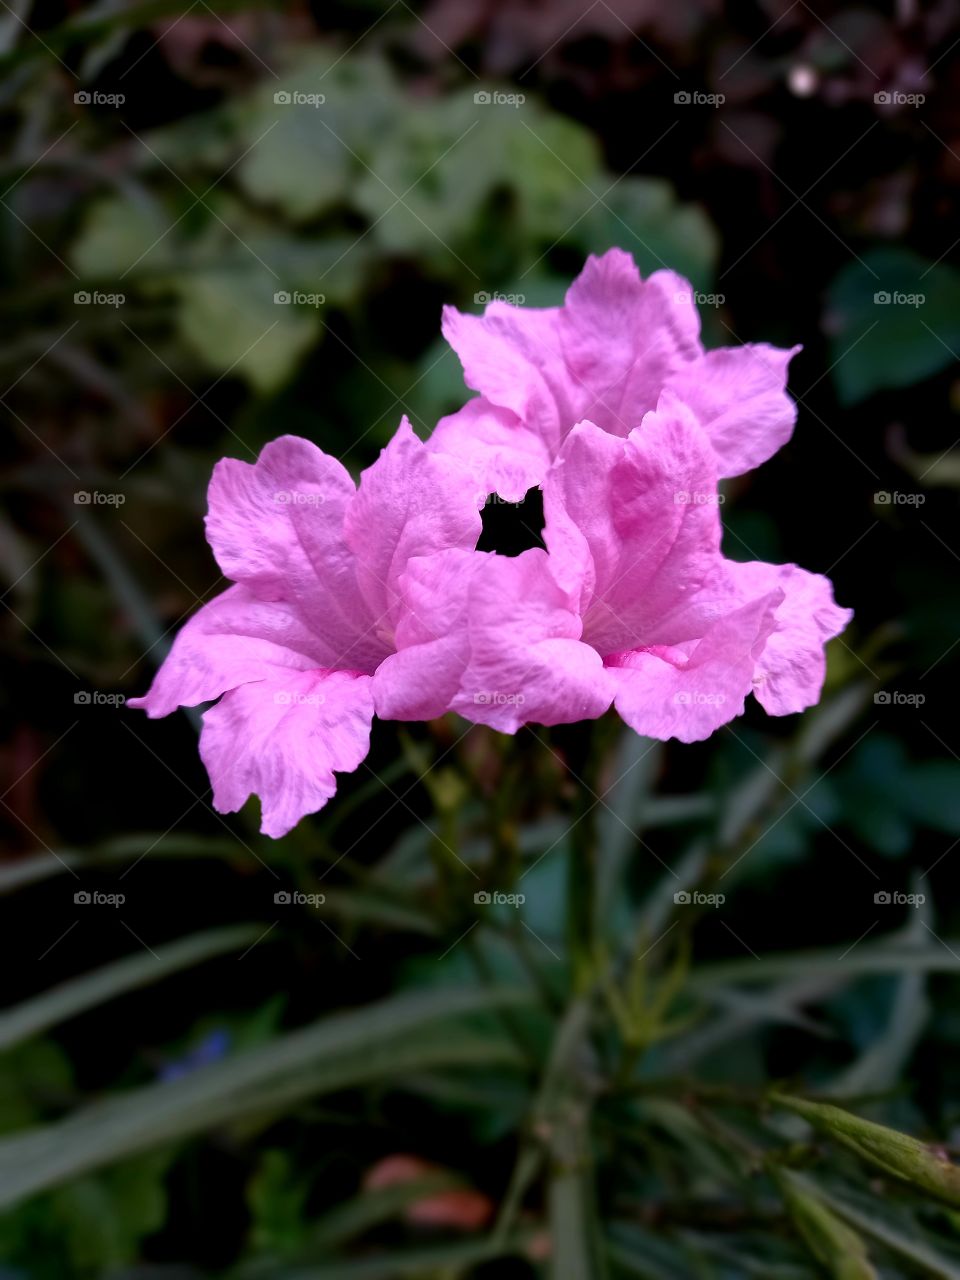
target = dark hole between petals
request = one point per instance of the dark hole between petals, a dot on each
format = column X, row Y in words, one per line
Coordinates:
column 512, row 527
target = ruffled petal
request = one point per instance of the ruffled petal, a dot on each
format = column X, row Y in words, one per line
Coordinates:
column 421, row 680
column 689, row 691
column 502, row 455
column 411, row 502
column 525, row 660
column 739, row 395
column 283, row 738
column 276, row 526
column 512, row 356
column 232, row 640
column 622, row 338
column 633, row 526
column 791, row 667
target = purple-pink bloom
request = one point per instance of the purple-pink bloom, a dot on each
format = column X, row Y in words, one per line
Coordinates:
column 634, row 602
column 349, row 601
column 605, row 356
column 294, row 644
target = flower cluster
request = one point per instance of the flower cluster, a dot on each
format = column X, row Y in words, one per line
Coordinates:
column 350, row 601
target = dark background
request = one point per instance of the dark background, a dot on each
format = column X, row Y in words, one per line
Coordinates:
column 828, row 173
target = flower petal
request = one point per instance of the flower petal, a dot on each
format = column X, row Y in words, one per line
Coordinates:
column 633, row 525
column 411, row 502
column 792, row 664
column 526, row 662
column 502, row 455
column 689, row 691
column 283, row 738
column 739, row 396
column 622, row 338
column 233, row 639
column 422, row 678
column 276, row 525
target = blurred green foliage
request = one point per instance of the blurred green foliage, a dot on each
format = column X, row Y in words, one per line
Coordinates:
column 605, row 1079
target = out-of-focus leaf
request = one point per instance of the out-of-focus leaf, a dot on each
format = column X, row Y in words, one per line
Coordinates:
column 900, row 1232
column 345, row 1050
column 642, row 215
column 94, row 989
column 232, row 322
column 893, row 319
column 831, row 1241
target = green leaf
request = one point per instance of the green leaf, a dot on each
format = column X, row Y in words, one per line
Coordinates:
column 643, row 216
column 381, row 1041
column 94, row 989
column 877, row 344
column 231, row 321
column 834, row 1244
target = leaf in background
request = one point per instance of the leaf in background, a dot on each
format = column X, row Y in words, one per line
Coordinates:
column 643, row 216
column 878, row 344
column 119, row 235
column 834, row 1244
column 230, row 320
column 400, row 1034
column 94, row 989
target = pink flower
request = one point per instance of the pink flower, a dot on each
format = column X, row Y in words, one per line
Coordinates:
column 294, row 645
column 605, row 356
column 633, row 603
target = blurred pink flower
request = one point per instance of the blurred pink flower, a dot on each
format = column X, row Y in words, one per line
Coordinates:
column 605, row 356
column 460, row 1208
